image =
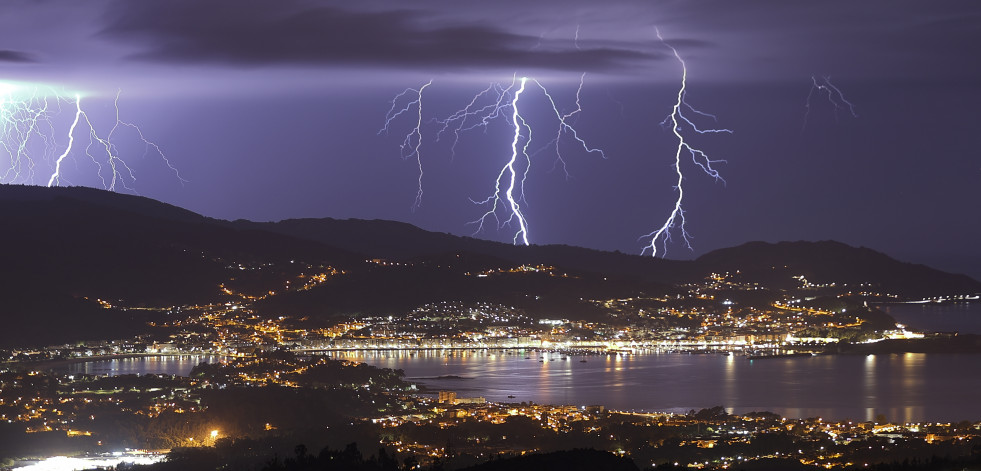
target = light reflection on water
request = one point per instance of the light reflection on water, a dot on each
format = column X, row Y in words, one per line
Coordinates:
column 910, row 387
column 179, row 365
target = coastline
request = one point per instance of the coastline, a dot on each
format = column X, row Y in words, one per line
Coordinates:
column 62, row 362
column 965, row 343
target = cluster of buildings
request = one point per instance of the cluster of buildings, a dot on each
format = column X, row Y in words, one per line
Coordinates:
column 710, row 438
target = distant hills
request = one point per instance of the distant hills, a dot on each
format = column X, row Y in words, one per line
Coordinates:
column 830, row 261
column 401, row 241
column 772, row 264
column 63, row 248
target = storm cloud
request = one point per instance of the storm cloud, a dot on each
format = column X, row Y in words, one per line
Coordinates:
column 16, row 56
column 255, row 33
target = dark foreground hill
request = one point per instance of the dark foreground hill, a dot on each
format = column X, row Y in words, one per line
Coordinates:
column 569, row 460
column 63, row 249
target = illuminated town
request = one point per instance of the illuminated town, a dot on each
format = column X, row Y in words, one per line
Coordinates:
column 290, row 366
column 553, row 235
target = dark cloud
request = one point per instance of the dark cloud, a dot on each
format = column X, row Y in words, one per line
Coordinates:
column 254, row 32
column 15, row 56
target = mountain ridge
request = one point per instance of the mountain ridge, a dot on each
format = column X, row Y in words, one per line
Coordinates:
column 376, row 238
column 73, row 246
column 828, row 261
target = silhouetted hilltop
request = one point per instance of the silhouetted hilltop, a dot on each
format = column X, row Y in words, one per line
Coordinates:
column 375, row 237
column 64, row 248
column 401, row 241
column 136, row 247
column 834, row 262
column 772, row 264
column 107, row 199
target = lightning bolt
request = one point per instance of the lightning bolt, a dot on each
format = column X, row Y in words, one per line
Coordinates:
column 413, row 140
column 148, row 144
column 566, row 128
column 834, row 95
column 498, row 101
column 24, row 118
column 508, row 174
column 485, row 107
column 28, row 130
column 677, row 118
column 55, row 179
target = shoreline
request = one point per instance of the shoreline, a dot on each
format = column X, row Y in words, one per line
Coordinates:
column 962, row 343
column 954, row 344
column 61, row 362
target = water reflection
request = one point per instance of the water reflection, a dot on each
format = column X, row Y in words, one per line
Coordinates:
column 907, row 387
column 869, row 386
column 730, row 380
column 179, row 365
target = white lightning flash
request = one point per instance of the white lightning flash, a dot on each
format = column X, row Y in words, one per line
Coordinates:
column 30, row 135
column 508, row 175
column 834, row 95
column 566, row 128
column 496, row 102
column 56, row 176
column 413, row 140
column 676, row 219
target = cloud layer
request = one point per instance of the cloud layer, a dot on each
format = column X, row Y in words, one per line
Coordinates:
column 16, row 56
column 256, row 33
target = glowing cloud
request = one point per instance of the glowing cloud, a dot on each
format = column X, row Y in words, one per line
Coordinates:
column 33, row 141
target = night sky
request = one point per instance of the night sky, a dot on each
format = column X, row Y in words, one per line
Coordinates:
column 271, row 110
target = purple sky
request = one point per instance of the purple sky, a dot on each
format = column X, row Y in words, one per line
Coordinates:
column 271, row 110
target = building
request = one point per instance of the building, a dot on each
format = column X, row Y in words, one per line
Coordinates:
column 448, row 397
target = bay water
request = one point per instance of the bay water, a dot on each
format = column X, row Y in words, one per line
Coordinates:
column 910, row 387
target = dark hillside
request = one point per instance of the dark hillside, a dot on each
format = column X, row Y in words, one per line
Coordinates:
column 401, row 241
column 834, row 262
column 64, row 248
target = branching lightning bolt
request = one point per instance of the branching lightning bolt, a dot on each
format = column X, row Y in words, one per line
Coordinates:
column 413, row 140
column 509, row 174
column 676, row 219
column 476, row 115
column 148, row 144
column 835, row 97
column 56, row 176
column 566, row 128
column 28, row 136
column 487, row 106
